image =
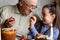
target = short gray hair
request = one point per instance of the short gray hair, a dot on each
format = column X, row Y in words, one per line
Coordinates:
column 24, row 1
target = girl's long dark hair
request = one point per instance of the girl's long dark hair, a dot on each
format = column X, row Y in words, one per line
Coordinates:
column 52, row 9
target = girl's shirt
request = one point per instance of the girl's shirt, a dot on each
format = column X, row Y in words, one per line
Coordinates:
column 43, row 30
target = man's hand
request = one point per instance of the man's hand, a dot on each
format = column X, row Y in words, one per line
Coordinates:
column 32, row 21
column 10, row 22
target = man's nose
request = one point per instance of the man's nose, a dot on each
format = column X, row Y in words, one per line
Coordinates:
column 31, row 10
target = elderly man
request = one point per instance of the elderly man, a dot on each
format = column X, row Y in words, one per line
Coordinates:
column 18, row 16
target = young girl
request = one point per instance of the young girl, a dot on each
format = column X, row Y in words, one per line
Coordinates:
column 48, row 22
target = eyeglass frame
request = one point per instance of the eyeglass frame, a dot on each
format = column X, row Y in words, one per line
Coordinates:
column 30, row 6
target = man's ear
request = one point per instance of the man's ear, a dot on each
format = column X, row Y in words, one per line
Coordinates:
column 20, row 3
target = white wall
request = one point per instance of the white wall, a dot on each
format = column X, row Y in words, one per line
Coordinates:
column 8, row 2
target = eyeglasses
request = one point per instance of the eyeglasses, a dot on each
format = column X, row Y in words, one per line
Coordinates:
column 30, row 6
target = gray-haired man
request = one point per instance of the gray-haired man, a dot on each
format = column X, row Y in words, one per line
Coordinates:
column 18, row 16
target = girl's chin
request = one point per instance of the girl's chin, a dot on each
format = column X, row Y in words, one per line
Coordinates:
column 45, row 23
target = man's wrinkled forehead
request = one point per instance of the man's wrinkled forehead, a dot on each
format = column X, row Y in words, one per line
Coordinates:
column 30, row 2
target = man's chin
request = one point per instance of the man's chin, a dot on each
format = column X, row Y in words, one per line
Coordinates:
column 27, row 13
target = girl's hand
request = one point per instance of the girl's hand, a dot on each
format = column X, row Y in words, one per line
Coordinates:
column 32, row 21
